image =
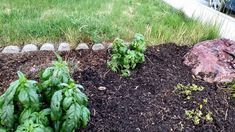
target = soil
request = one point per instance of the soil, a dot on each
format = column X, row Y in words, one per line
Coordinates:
column 146, row 101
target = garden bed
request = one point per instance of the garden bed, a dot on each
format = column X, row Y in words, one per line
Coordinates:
column 145, row 101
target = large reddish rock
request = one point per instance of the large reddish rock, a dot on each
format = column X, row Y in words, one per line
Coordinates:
column 213, row 60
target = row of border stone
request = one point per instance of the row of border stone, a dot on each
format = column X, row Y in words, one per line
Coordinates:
column 51, row 47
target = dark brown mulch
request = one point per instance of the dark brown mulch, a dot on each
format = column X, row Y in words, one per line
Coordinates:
column 145, row 101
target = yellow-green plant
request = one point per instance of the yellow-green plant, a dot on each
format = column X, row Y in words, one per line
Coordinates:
column 197, row 114
column 187, row 90
column 231, row 85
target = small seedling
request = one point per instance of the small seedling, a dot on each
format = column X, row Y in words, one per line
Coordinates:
column 231, row 85
column 187, row 90
column 208, row 117
column 197, row 114
column 205, row 101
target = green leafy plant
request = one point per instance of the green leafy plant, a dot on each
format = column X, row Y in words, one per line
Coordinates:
column 23, row 91
column 125, row 57
column 187, row 90
column 53, row 76
column 56, row 74
column 68, row 108
column 34, row 121
column 24, row 108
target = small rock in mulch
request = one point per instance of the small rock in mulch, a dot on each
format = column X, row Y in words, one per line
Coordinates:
column 213, row 60
column 98, row 47
column 82, row 46
column 47, row 47
column 64, row 47
column 11, row 49
column 101, row 88
column 29, row 47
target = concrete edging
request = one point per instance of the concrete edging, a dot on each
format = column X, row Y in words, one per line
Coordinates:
column 206, row 15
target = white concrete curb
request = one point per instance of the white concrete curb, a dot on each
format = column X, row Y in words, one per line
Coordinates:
column 196, row 10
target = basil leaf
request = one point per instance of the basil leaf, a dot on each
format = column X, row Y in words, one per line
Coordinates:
column 46, row 73
column 68, row 92
column 25, row 115
column 56, row 111
column 24, row 97
column 65, row 78
column 7, row 115
column 46, row 84
column 67, row 102
column 81, row 98
column 3, row 129
column 31, row 82
column 21, row 76
column 34, row 99
column 46, row 111
column 72, row 118
column 85, row 116
column 79, row 86
column 11, row 91
column 55, row 81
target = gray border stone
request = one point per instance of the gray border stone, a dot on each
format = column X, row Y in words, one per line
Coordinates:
column 47, row 47
column 82, row 46
column 11, row 49
column 64, row 47
column 98, row 46
column 51, row 47
column 29, row 47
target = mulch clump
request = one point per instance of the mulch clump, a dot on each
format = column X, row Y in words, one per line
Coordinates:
column 145, row 101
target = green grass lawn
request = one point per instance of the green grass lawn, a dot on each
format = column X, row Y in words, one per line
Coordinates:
column 73, row 21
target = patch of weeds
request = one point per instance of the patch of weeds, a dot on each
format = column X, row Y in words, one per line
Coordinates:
column 196, row 115
column 231, row 85
column 187, row 90
column 199, row 113
column 125, row 57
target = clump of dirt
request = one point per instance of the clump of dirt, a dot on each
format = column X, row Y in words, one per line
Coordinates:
column 145, row 101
